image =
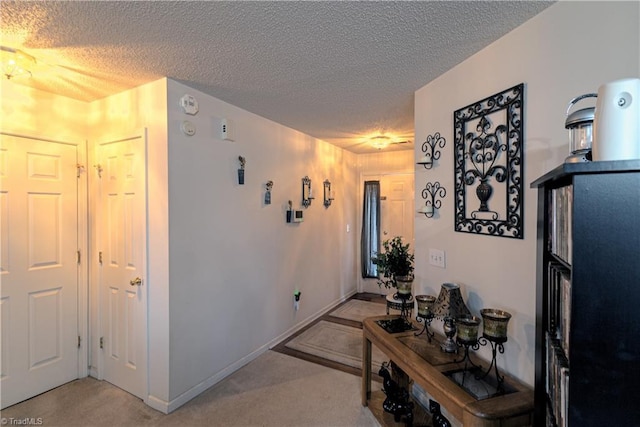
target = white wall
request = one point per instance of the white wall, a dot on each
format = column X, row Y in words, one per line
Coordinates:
column 567, row 50
column 234, row 261
column 123, row 115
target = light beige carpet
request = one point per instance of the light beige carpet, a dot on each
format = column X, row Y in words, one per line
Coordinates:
column 359, row 310
column 336, row 342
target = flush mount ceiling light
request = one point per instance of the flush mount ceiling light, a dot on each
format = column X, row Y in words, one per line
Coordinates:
column 15, row 63
column 383, row 141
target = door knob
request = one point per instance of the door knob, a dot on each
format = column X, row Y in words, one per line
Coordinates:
column 136, row 282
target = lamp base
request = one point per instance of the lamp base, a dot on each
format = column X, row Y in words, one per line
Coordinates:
column 449, row 346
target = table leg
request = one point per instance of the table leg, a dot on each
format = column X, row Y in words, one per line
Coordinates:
column 366, row 370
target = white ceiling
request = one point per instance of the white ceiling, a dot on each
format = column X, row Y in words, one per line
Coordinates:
column 338, row 71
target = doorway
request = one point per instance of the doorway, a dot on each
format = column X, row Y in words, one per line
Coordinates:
column 43, row 265
column 396, row 216
column 119, row 228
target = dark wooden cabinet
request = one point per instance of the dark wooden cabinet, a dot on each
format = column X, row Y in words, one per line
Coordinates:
column 588, row 295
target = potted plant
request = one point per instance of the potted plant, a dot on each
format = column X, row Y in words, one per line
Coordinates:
column 395, row 266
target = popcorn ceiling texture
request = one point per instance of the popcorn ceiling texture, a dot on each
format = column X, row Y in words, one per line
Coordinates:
column 333, row 70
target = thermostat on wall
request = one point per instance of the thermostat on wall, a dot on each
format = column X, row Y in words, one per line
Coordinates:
column 189, row 104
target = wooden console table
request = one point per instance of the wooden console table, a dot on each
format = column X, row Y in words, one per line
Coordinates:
column 427, row 365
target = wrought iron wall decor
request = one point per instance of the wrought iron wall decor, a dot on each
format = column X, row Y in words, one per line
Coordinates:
column 307, row 194
column 267, row 194
column 430, row 152
column 328, row 195
column 432, row 193
column 243, row 162
column 488, row 157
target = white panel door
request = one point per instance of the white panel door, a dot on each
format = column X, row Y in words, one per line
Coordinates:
column 396, row 206
column 122, row 242
column 39, row 270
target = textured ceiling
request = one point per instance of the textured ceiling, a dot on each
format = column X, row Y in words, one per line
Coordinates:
column 339, row 71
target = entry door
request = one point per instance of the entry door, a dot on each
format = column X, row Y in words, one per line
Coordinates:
column 39, row 266
column 121, row 213
column 396, row 206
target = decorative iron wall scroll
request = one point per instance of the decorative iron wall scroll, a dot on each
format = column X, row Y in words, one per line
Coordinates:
column 488, row 165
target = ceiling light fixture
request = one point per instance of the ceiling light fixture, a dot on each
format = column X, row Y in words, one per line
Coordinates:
column 380, row 142
column 15, row 63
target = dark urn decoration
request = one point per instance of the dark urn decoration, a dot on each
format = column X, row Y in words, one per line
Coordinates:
column 397, row 402
column 483, row 191
column 437, row 418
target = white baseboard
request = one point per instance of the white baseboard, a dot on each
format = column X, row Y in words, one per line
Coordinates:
column 167, row 407
column 309, row 320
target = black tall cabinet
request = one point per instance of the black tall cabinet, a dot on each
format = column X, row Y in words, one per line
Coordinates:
column 588, row 295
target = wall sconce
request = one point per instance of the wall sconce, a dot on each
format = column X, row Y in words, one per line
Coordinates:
column 15, row 63
column 307, row 194
column 267, row 194
column 431, row 193
column 429, row 151
column 243, row 162
column 328, row 195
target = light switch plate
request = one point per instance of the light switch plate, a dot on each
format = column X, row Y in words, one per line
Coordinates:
column 437, row 258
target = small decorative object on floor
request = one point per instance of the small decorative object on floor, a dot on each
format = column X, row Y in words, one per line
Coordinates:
column 397, row 402
column 243, row 161
column 438, row 419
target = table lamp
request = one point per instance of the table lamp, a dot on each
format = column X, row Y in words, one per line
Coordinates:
column 448, row 307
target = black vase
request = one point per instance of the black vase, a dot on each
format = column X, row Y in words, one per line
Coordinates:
column 241, row 176
column 483, row 191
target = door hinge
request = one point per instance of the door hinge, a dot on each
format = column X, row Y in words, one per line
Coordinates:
column 80, row 169
column 101, row 342
column 79, row 257
column 100, row 257
column 79, row 341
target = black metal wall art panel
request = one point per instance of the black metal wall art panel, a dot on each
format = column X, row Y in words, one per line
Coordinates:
column 488, row 156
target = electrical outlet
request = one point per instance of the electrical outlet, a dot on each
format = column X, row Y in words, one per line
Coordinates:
column 437, row 258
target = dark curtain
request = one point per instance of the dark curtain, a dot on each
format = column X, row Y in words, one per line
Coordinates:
column 370, row 239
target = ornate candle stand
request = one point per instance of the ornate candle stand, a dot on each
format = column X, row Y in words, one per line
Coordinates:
column 425, row 314
column 468, row 338
column 496, row 346
column 405, row 307
column 495, row 334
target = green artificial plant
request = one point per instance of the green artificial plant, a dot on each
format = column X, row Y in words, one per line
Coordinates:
column 396, row 261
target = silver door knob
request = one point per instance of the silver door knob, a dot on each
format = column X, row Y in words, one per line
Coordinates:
column 136, row 282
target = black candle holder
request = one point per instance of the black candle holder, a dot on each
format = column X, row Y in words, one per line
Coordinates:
column 496, row 347
column 405, row 307
column 430, row 151
column 425, row 330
